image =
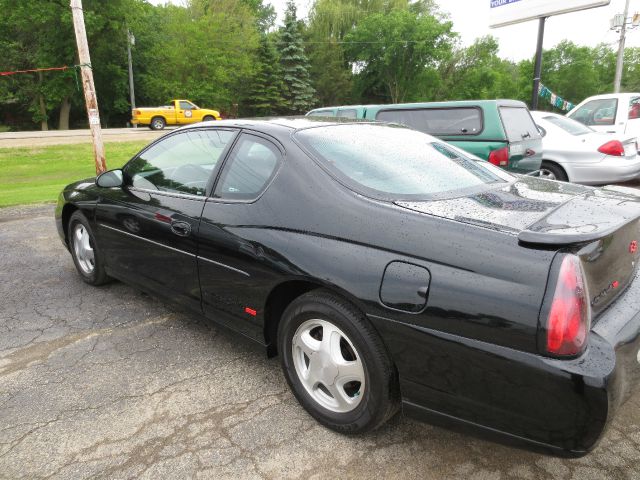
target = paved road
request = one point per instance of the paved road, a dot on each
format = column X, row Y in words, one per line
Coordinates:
column 109, row 382
column 63, row 137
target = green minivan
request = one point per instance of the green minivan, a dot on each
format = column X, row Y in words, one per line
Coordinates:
column 500, row 131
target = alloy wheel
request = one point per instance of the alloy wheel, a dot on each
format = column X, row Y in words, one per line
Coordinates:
column 328, row 365
column 83, row 249
column 547, row 174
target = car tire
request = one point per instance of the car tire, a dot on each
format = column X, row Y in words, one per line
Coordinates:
column 84, row 252
column 553, row 171
column 157, row 123
column 208, row 118
column 348, row 383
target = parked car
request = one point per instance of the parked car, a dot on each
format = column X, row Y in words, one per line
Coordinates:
column 385, row 268
column 612, row 113
column 177, row 112
column 499, row 131
column 576, row 153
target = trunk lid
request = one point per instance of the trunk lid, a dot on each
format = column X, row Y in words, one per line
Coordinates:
column 602, row 226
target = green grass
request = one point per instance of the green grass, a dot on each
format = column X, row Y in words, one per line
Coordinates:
column 37, row 174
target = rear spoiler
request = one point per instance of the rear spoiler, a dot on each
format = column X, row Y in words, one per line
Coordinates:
column 585, row 218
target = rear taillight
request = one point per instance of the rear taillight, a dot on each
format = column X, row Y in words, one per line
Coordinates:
column 569, row 317
column 613, row 148
column 136, row 112
column 500, row 157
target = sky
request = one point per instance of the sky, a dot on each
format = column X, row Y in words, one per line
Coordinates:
column 471, row 20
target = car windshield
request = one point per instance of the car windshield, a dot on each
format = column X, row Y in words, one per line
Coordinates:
column 568, row 125
column 396, row 163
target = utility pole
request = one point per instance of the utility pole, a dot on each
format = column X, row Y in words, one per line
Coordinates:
column 620, row 62
column 537, row 72
column 88, row 87
column 132, row 96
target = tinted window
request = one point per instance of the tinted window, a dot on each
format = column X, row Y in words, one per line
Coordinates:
column 394, row 162
column 251, row 165
column 518, row 124
column 349, row 113
column 597, row 112
column 568, row 125
column 322, row 113
column 437, row 121
column 180, row 163
column 634, row 108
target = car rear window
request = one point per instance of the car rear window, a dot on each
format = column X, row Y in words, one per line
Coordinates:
column 437, row 121
column 568, row 125
column 396, row 163
column 518, row 124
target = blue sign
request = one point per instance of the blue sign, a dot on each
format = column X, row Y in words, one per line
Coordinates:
column 500, row 3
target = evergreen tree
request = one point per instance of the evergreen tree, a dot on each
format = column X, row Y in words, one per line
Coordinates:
column 298, row 92
column 264, row 96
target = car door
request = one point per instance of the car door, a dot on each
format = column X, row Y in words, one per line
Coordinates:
column 148, row 228
column 186, row 112
column 235, row 269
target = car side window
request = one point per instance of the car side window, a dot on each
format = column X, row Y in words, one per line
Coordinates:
column 348, row 113
column 322, row 113
column 437, row 121
column 634, row 108
column 597, row 112
column 180, row 163
column 186, row 105
column 251, row 165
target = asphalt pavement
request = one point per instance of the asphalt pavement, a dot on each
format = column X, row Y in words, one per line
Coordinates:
column 111, row 383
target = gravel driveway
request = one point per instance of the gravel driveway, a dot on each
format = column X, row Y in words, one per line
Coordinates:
column 108, row 382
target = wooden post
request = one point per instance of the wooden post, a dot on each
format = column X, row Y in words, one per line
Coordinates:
column 88, row 87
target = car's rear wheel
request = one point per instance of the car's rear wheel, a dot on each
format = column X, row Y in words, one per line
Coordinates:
column 552, row 171
column 86, row 258
column 208, row 118
column 336, row 364
column 157, row 123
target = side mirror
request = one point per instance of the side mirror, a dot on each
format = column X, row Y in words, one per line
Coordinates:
column 110, row 179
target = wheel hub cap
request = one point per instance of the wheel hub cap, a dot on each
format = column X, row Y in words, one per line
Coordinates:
column 83, row 249
column 328, row 365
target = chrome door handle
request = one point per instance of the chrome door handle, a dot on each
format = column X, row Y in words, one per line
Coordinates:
column 182, row 229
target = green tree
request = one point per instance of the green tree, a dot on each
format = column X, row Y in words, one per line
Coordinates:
column 477, row 72
column 400, row 51
column 298, row 92
column 264, row 96
column 203, row 52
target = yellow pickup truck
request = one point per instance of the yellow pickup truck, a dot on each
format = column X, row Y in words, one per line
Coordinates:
column 178, row 112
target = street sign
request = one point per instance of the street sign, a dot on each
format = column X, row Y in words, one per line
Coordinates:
column 509, row 12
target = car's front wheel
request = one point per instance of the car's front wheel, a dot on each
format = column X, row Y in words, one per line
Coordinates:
column 209, row 118
column 86, row 258
column 336, row 364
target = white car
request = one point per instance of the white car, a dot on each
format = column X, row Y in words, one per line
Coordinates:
column 611, row 113
column 576, row 153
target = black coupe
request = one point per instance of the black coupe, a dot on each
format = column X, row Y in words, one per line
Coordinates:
column 386, row 268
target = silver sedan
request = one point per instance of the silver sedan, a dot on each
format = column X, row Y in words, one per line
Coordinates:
column 576, row 153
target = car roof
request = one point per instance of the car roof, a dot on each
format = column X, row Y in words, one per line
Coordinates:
column 290, row 123
column 446, row 104
column 611, row 95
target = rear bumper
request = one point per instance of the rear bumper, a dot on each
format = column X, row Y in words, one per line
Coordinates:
column 609, row 170
column 558, row 406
